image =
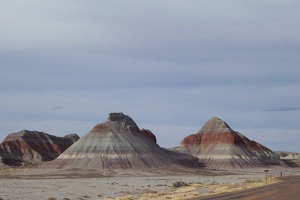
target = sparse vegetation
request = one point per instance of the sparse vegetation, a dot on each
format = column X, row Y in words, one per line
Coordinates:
column 128, row 197
column 178, row 184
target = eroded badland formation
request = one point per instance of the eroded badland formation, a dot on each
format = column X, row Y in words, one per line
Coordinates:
column 218, row 146
column 33, row 147
column 117, row 159
column 117, row 143
column 120, row 144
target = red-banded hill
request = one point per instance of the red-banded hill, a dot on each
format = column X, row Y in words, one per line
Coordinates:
column 218, row 146
column 117, row 143
column 32, row 147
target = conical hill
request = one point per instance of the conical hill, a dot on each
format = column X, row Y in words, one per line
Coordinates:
column 218, row 146
column 117, row 143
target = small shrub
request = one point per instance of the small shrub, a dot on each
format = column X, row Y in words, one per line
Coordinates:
column 178, row 184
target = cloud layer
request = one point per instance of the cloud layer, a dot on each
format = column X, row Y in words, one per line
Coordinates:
column 66, row 64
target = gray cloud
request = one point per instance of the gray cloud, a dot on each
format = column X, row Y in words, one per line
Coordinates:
column 56, row 108
column 283, row 109
column 170, row 63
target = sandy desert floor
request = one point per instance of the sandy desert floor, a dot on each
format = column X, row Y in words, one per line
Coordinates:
column 128, row 187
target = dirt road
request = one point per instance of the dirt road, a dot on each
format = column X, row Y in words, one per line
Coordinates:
column 289, row 188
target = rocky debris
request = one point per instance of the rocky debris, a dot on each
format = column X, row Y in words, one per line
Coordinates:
column 32, row 147
column 218, row 146
column 117, row 143
column 178, row 184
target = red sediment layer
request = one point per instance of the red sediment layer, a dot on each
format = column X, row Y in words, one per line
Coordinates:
column 34, row 146
column 149, row 134
column 101, row 127
column 217, row 145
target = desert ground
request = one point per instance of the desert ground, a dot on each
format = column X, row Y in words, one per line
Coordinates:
column 287, row 188
column 21, row 184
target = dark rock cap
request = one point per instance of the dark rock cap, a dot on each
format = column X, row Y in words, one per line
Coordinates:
column 125, row 119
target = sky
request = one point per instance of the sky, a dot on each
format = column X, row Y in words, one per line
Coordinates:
column 170, row 65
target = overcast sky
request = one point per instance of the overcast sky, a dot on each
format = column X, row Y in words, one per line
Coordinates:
column 170, row 65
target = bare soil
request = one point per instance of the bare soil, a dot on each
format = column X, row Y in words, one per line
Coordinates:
column 24, row 183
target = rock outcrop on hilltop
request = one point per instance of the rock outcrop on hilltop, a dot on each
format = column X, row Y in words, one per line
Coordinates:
column 218, row 146
column 117, row 143
column 32, row 147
